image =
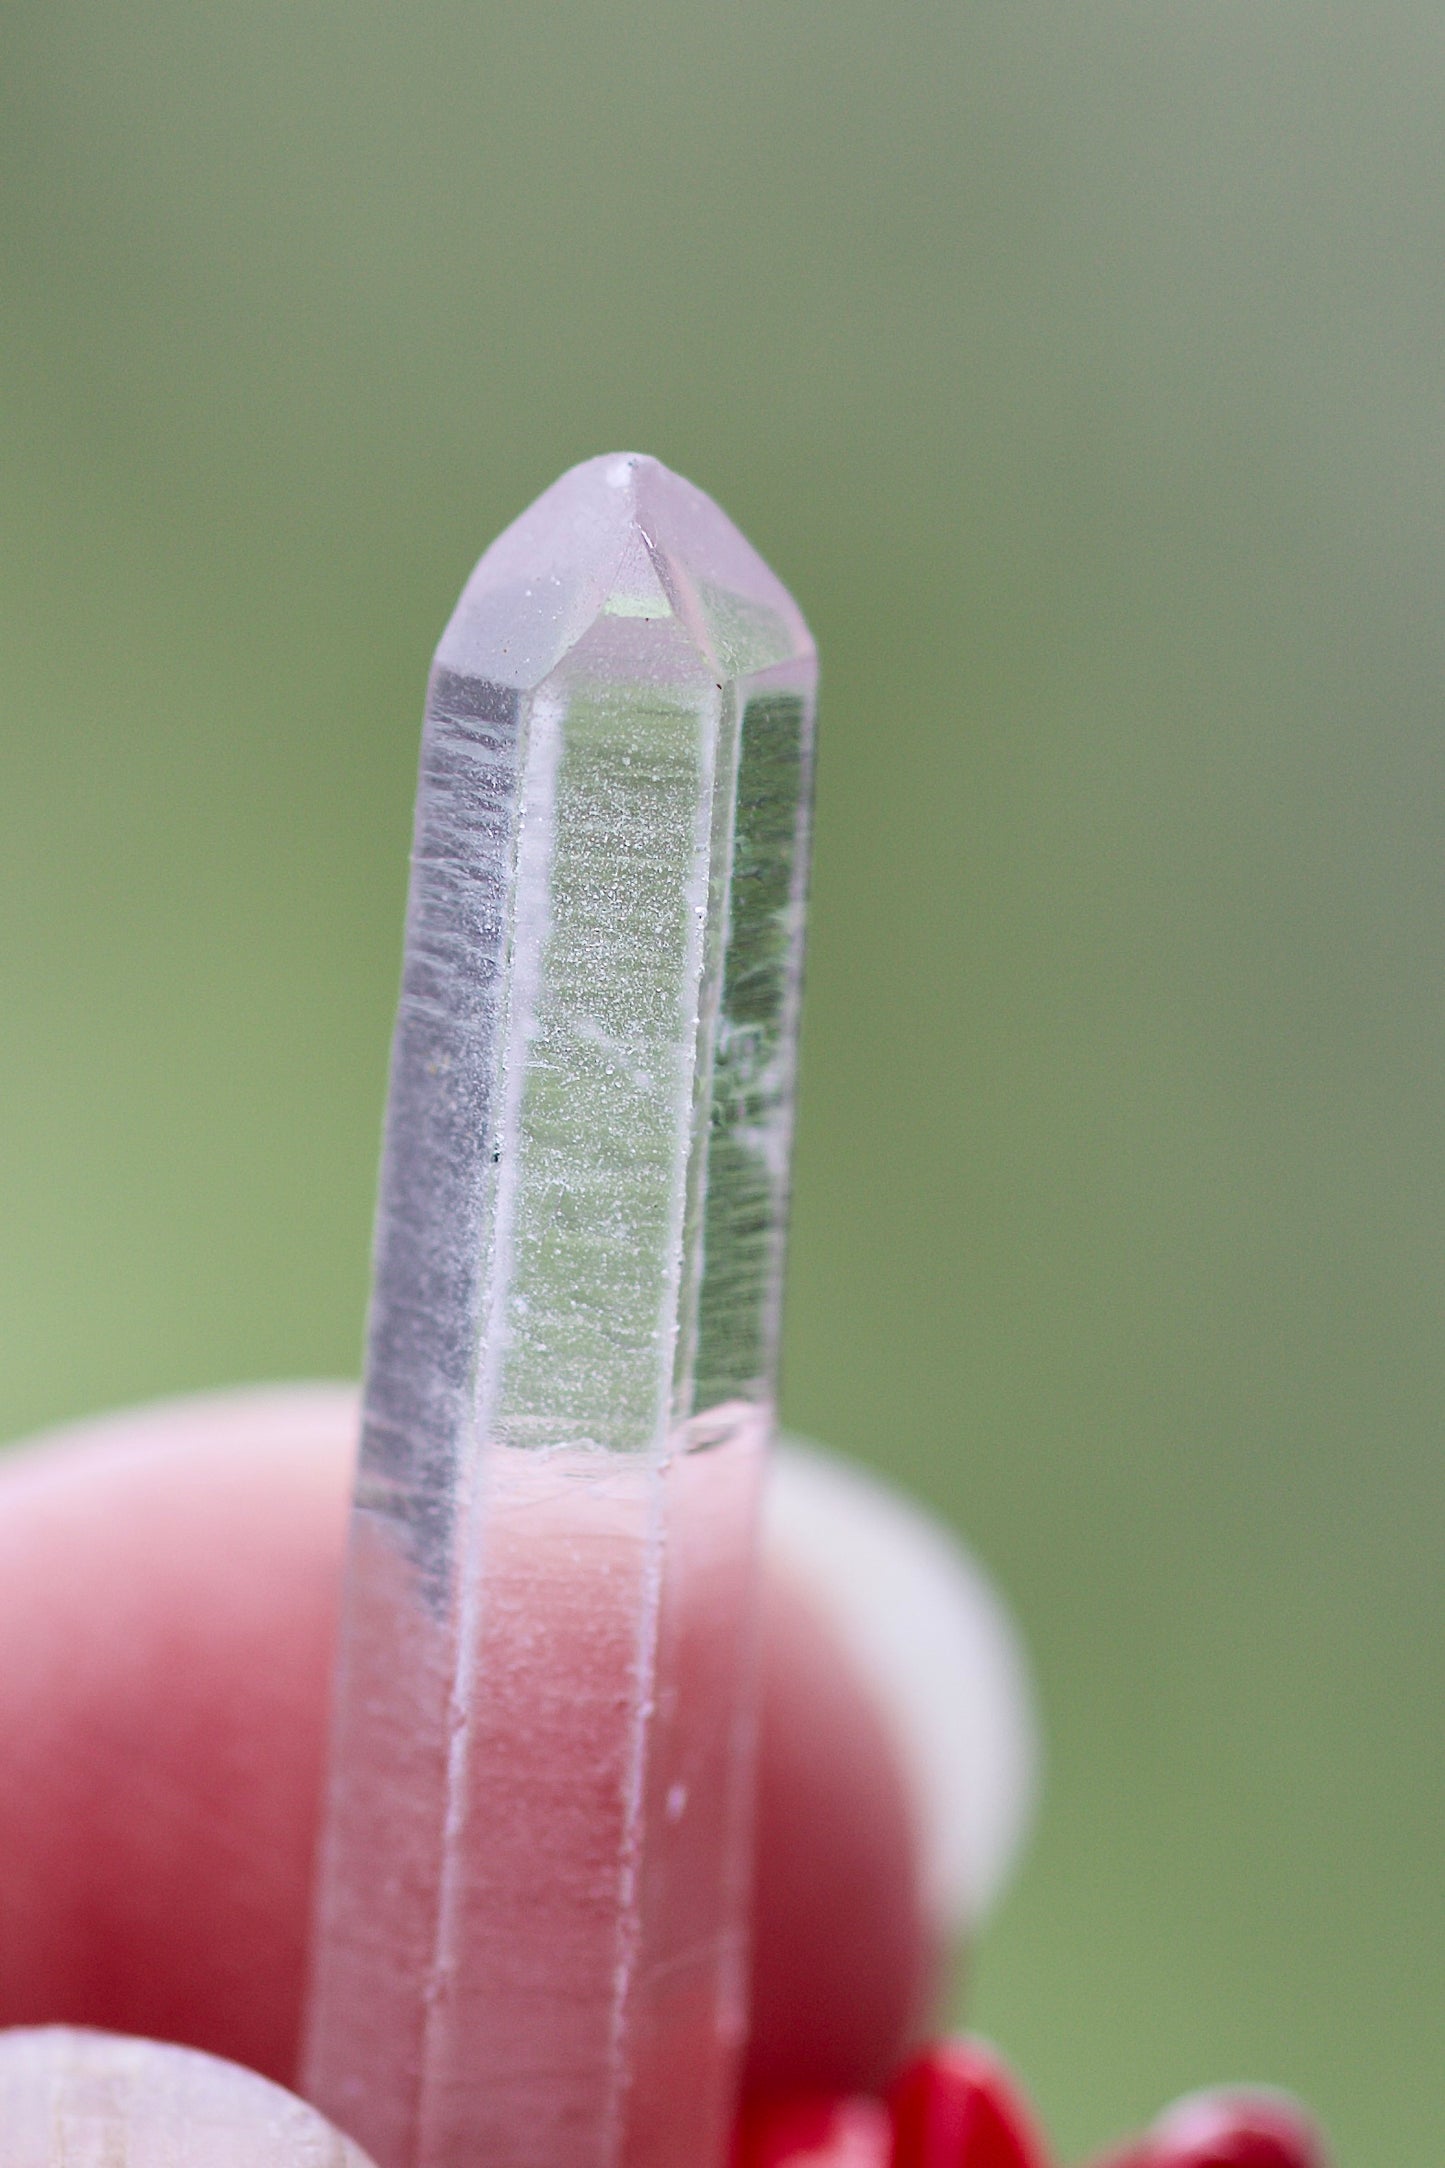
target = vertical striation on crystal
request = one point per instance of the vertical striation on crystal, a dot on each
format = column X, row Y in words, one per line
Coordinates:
column 530, row 1935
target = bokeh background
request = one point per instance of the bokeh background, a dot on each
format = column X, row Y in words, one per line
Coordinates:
column 1082, row 370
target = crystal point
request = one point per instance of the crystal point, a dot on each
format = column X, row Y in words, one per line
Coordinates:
column 529, row 1946
column 620, row 536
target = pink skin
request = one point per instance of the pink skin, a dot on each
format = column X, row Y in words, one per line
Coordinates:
column 168, row 1589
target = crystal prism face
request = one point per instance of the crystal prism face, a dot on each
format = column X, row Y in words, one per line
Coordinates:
column 532, row 1890
column 585, row 1179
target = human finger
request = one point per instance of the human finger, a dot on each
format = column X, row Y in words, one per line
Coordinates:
column 168, row 1592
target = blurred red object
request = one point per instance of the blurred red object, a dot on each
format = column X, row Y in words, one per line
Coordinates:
column 813, row 2130
column 956, row 2106
column 1227, row 2129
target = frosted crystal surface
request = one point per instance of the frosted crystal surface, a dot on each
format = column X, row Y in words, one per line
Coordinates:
column 529, row 1947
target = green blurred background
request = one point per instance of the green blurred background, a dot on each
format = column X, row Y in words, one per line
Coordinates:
column 1082, row 371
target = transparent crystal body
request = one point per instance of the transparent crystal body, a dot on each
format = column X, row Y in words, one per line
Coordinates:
column 530, row 1935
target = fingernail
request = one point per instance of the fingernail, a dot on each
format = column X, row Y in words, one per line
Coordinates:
column 73, row 2099
column 929, row 1633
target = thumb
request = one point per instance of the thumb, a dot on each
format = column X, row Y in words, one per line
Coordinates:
column 73, row 2099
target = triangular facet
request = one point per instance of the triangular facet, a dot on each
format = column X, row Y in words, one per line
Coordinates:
column 620, row 536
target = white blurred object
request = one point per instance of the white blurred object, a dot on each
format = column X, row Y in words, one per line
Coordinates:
column 71, row 2099
column 934, row 1639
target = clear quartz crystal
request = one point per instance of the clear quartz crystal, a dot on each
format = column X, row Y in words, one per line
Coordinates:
column 530, row 1933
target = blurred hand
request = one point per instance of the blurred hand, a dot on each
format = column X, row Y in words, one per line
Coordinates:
column 168, row 1601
